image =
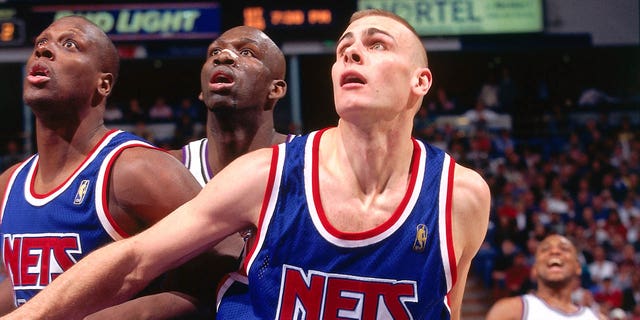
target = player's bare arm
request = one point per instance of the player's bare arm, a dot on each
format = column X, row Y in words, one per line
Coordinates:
column 506, row 309
column 113, row 274
column 146, row 185
column 470, row 219
column 6, row 288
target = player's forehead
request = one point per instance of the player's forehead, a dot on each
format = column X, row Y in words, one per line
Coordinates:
column 75, row 25
column 387, row 25
column 555, row 241
column 243, row 34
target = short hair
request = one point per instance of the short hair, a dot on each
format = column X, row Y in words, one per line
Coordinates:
column 384, row 13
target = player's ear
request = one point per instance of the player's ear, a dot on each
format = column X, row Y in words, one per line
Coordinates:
column 278, row 89
column 421, row 82
column 200, row 96
column 105, row 84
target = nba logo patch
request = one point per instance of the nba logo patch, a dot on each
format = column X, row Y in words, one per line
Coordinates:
column 82, row 191
column 421, row 238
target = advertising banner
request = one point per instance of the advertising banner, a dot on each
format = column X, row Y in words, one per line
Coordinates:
column 465, row 17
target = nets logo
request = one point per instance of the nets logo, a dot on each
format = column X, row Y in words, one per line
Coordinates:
column 34, row 260
column 319, row 295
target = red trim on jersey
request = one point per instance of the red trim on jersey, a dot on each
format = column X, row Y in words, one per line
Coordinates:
column 265, row 203
column 448, row 222
column 35, row 170
column 315, row 189
column 105, row 187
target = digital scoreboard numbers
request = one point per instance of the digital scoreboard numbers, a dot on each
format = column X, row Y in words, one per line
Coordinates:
column 297, row 23
column 12, row 32
column 260, row 18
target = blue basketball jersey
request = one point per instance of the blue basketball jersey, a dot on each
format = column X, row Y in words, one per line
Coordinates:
column 45, row 234
column 301, row 267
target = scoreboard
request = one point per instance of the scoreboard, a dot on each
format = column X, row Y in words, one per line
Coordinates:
column 305, row 21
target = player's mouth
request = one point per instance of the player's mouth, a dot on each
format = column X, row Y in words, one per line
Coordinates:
column 555, row 263
column 221, row 81
column 351, row 79
column 38, row 74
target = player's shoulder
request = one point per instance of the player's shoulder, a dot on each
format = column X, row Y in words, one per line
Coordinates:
column 5, row 176
column 469, row 178
column 506, row 309
column 144, row 160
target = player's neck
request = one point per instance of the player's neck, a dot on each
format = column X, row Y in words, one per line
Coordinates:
column 225, row 144
column 61, row 151
column 557, row 298
column 377, row 159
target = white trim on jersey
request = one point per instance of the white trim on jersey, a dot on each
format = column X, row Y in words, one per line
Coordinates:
column 227, row 282
column 442, row 220
column 263, row 226
column 38, row 202
column 348, row 243
column 101, row 188
column 14, row 174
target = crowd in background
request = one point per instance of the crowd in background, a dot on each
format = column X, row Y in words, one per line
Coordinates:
column 577, row 176
column 548, row 173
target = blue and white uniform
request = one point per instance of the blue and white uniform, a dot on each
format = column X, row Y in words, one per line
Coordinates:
column 534, row 308
column 302, row 267
column 45, row 234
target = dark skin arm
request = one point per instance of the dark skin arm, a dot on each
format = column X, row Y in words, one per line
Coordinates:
column 6, row 296
column 120, row 269
column 6, row 287
column 145, row 185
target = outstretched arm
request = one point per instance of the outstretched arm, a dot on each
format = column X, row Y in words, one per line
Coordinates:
column 506, row 309
column 471, row 201
column 6, row 296
column 114, row 273
column 164, row 305
column 7, row 301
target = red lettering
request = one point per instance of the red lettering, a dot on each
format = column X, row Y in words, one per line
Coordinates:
column 36, row 260
column 11, row 256
column 296, row 288
column 338, row 297
column 344, row 296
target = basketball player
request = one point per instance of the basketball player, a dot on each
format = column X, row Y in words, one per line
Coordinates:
column 242, row 78
column 87, row 185
column 357, row 221
column 555, row 268
column 241, row 81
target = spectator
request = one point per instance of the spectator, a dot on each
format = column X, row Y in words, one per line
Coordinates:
column 480, row 115
column 601, row 268
column 189, row 109
column 443, row 104
column 507, row 91
column 631, row 294
column 516, row 278
column 160, row 110
column 502, row 143
column 12, row 155
column 112, row 113
column 607, row 295
column 489, row 92
column 134, row 112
